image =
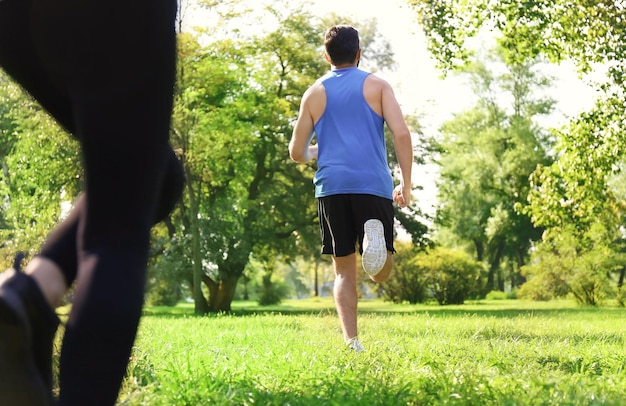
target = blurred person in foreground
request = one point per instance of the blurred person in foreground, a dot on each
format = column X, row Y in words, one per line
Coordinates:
column 105, row 71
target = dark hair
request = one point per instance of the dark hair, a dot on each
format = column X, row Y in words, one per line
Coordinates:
column 342, row 44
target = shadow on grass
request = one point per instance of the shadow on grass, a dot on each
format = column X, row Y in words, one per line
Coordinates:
column 325, row 306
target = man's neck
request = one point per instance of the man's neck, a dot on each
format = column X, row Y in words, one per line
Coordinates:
column 344, row 66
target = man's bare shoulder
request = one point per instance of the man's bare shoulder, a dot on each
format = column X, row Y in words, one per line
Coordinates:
column 314, row 101
column 315, row 98
column 375, row 79
column 316, row 90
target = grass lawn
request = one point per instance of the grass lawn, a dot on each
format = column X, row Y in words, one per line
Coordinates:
column 482, row 353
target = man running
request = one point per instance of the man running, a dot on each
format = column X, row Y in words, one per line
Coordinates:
column 346, row 110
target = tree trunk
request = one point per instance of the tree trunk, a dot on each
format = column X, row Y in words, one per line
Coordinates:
column 495, row 264
column 246, row 280
column 479, row 250
column 519, row 279
column 200, row 303
column 316, row 289
column 222, row 299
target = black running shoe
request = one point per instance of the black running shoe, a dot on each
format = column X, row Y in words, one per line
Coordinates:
column 24, row 376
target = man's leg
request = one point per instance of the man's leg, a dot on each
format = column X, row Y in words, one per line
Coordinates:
column 123, row 81
column 377, row 217
column 345, row 293
column 384, row 273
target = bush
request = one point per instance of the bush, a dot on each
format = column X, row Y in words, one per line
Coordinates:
column 163, row 293
column 620, row 297
column 536, row 289
column 512, row 295
column 571, row 266
column 406, row 283
column 272, row 292
column 496, row 295
column 166, row 273
column 452, row 276
column 448, row 276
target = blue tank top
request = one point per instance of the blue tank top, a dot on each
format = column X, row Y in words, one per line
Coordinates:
column 352, row 155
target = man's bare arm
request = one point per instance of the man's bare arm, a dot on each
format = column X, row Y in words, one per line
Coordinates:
column 392, row 114
column 300, row 149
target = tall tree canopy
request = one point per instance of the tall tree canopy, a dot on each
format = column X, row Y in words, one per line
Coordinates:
column 487, row 155
column 575, row 189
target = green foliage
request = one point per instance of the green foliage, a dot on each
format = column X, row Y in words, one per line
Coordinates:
column 496, row 295
column 587, row 32
column 487, row 155
column 40, row 170
column 575, row 192
column 448, row 276
column 272, row 293
column 244, row 197
column 620, row 297
column 568, row 265
column 271, row 289
column 406, row 283
column 452, row 275
column 164, row 281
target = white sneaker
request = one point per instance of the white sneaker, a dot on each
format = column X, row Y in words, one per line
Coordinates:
column 355, row 344
column 374, row 247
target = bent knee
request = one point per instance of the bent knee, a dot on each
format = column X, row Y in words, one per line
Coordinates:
column 384, row 273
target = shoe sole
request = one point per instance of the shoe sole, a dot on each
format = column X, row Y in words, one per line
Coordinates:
column 375, row 253
column 20, row 382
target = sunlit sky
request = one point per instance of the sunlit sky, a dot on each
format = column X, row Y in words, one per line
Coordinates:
column 417, row 83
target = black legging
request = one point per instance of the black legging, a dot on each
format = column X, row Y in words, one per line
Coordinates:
column 105, row 71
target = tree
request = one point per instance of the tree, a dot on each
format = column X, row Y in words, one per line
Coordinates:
column 488, row 154
column 575, row 193
column 235, row 103
column 574, row 189
column 40, row 170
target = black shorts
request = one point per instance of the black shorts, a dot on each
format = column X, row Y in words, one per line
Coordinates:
column 342, row 218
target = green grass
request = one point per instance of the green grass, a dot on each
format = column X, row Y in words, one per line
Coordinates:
column 483, row 353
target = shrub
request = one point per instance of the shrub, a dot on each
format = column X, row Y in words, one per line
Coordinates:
column 569, row 265
column 496, row 295
column 452, row 275
column 406, row 283
column 448, row 276
column 272, row 291
column 620, row 297
column 163, row 293
column 536, row 289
